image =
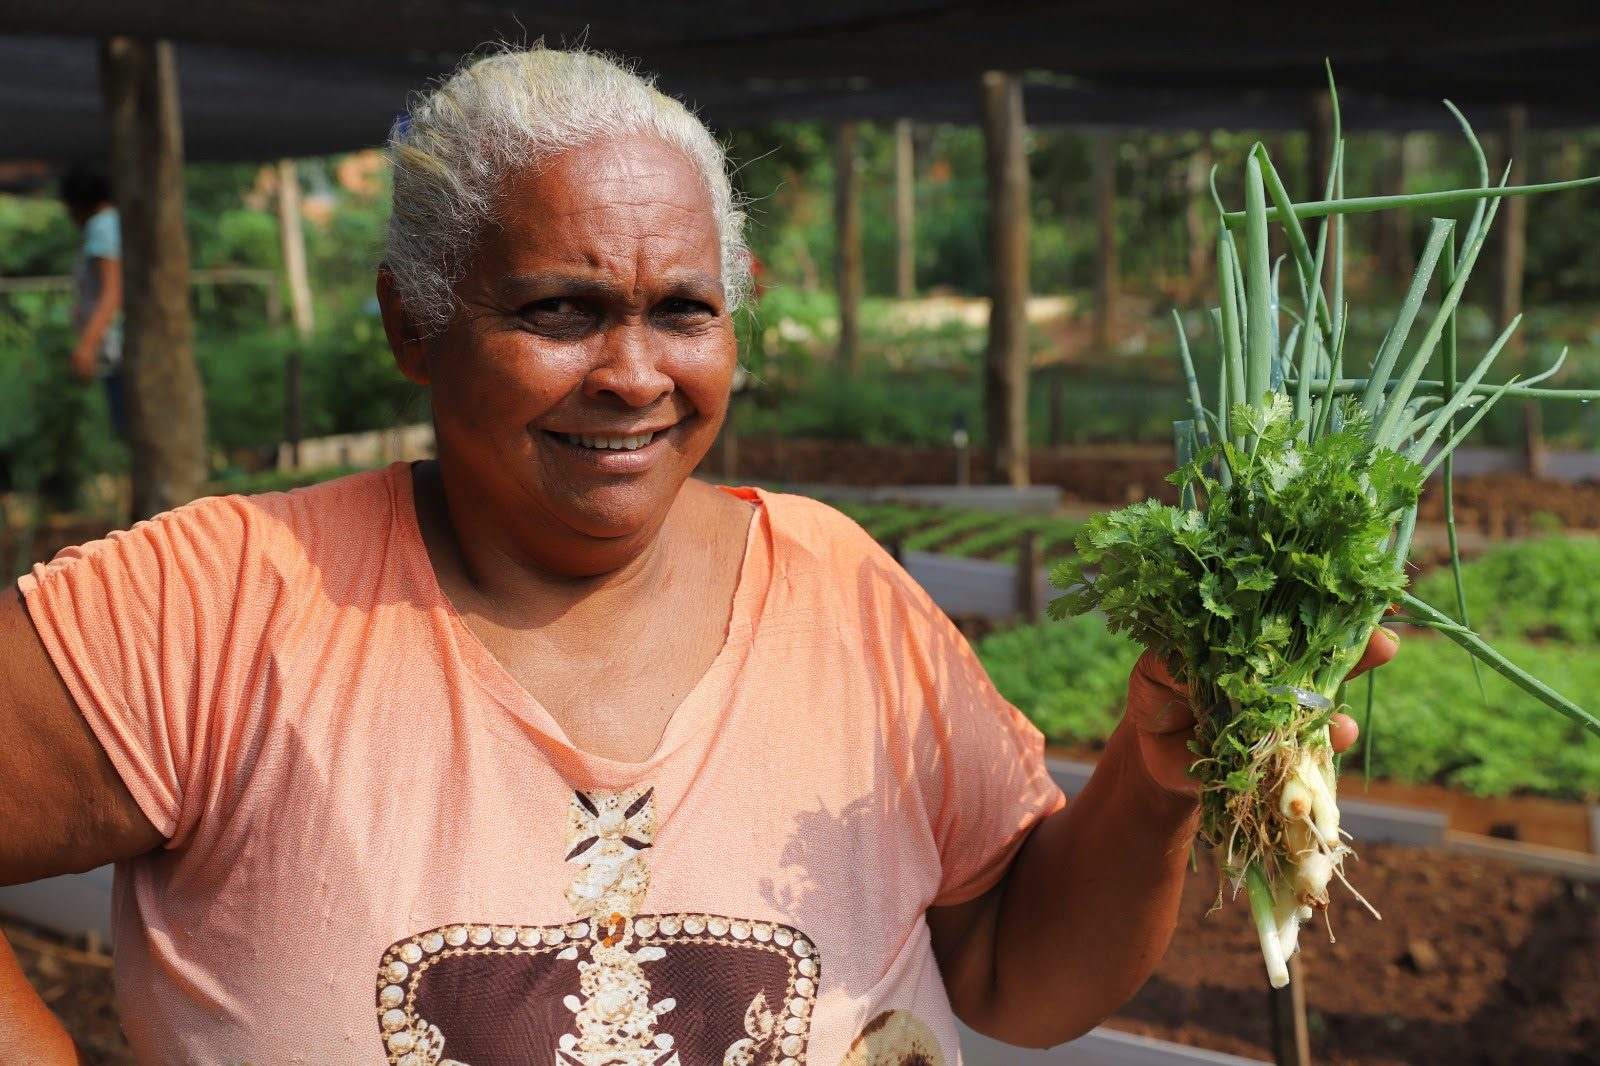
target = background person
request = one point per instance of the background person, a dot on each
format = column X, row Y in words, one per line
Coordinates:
column 97, row 280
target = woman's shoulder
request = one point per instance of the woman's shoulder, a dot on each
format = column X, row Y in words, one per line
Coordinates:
column 217, row 535
column 819, row 547
column 344, row 504
column 808, row 524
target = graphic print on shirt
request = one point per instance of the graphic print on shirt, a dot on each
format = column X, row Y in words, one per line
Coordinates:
column 614, row 987
column 895, row 1038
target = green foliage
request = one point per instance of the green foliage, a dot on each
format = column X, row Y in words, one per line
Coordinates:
column 274, row 480
column 349, row 383
column 1430, row 725
column 877, row 407
column 36, row 237
column 1277, row 581
column 1070, row 679
column 54, row 429
column 1528, row 589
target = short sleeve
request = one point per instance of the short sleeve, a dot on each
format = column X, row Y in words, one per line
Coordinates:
column 992, row 784
column 142, row 627
column 102, row 236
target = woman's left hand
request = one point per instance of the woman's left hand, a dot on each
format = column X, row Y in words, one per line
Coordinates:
column 1158, row 710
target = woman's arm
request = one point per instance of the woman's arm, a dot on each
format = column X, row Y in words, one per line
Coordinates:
column 1083, row 915
column 1087, row 909
column 64, row 808
column 29, row 1032
column 86, row 353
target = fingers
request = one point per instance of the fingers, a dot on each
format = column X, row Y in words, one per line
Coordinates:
column 1342, row 732
column 1157, row 703
column 1381, row 647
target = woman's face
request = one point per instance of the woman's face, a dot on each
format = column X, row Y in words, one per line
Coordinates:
column 588, row 368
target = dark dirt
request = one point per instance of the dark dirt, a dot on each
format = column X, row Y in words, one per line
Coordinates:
column 1476, row 962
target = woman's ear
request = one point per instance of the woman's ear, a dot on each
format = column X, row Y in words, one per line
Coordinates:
column 405, row 340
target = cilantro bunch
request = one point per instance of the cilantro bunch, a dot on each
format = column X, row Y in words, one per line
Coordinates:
column 1272, row 580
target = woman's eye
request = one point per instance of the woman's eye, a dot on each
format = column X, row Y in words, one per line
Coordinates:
column 686, row 311
column 557, row 315
column 556, row 305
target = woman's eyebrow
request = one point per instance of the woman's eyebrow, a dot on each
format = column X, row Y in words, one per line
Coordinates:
column 559, row 282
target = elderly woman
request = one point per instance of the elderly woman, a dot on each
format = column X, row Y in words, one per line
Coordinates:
column 545, row 751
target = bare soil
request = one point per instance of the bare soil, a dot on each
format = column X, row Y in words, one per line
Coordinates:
column 1475, row 962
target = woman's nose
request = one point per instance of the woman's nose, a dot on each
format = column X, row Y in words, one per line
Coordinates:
column 629, row 368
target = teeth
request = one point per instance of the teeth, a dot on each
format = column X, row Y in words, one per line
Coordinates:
column 620, row 444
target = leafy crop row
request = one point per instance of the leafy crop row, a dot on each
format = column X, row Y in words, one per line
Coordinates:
column 961, row 532
column 1431, row 724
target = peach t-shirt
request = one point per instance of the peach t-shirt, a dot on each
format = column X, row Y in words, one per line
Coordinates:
column 382, row 849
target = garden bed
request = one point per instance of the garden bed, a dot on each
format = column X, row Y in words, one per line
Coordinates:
column 1495, row 504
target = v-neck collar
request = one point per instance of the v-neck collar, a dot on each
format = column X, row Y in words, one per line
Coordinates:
column 706, row 701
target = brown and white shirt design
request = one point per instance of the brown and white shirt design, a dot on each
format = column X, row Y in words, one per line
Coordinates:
column 613, row 987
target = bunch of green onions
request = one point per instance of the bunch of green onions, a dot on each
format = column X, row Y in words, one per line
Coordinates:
column 1299, row 502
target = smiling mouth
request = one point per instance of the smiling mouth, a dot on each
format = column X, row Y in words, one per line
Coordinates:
column 602, row 443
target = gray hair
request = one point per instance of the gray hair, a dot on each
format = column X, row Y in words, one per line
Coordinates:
column 516, row 110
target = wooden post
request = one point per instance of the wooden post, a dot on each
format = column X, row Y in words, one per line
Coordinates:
column 1394, row 225
column 730, row 450
column 274, row 290
column 1319, row 143
column 166, row 409
column 1513, row 227
column 1056, row 430
column 1202, row 253
column 905, row 211
column 292, row 397
column 1513, row 220
column 292, row 236
column 1005, row 375
column 1105, row 218
column 1029, row 559
column 847, row 225
column 1291, row 1042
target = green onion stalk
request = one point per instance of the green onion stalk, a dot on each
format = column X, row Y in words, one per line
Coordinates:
column 1299, row 489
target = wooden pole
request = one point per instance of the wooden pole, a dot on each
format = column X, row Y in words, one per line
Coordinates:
column 1319, row 143
column 1005, row 376
column 1513, row 221
column 1105, row 217
column 293, row 399
column 1513, row 226
column 847, row 225
column 166, row 408
column 1394, row 226
column 1030, row 604
column 1202, row 252
column 1291, row 1040
column 905, row 208
column 291, row 231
